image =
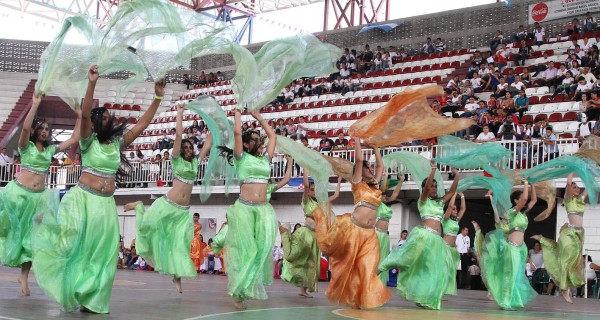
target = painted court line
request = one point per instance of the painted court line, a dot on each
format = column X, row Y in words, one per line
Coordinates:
column 253, row 310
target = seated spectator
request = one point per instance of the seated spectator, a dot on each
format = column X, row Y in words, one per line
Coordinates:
column 521, row 103
column 325, row 144
column 379, row 63
column 485, row 135
column 307, row 89
column 428, row 46
column 477, row 83
column 526, row 77
column 573, row 27
column 202, row 78
column 565, row 86
column 584, row 128
column 587, row 102
column 452, row 84
column 520, row 35
column 550, row 145
column 501, row 88
column 496, row 40
column 356, row 83
column 344, row 71
column 341, row 143
column 582, row 88
column 367, row 54
column 501, row 56
column 470, row 107
column 589, row 23
column 220, row 76
column 508, row 103
column 516, row 85
column 549, row 76
column 466, row 91
column 289, row 95
column 439, row 46
column 292, row 129
column 280, row 124
column 524, row 52
column 338, row 84
column 212, row 78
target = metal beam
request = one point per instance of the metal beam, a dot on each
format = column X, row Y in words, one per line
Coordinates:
column 350, row 13
column 59, row 10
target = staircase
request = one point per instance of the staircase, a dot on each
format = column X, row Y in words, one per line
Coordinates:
column 17, row 114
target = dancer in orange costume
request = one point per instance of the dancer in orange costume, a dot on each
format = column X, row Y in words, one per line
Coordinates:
column 351, row 244
column 197, row 247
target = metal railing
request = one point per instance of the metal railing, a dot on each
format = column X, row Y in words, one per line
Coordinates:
column 524, row 154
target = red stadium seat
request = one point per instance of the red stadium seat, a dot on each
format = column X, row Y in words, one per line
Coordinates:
column 555, row 117
column 534, row 100
column 570, row 116
column 526, row 119
column 541, row 117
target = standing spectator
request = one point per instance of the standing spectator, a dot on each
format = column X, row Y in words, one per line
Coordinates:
column 550, row 145
column 463, row 244
column 496, row 40
column 4, row 167
column 524, row 52
column 403, row 236
column 475, row 275
column 428, row 46
column 584, row 129
column 439, row 45
column 589, row 23
column 539, row 34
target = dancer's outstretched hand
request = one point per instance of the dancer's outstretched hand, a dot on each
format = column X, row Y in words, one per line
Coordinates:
column 93, row 74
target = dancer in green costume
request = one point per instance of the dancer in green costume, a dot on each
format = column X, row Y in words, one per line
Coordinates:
column 422, row 258
column 27, row 195
column 562, row 258
column 302, row 257
column 75, row 250
column 165, row 230
column 503, row 257
column 450, row 229
column 384, row 214
column 251, row 219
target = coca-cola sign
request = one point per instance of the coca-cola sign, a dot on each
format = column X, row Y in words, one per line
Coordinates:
column 558, row 9
column 539, row 12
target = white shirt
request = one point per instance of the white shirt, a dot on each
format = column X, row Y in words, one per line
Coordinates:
column 463, row 243
column 486, row 137
column 590, row 274
column 517, row 85
column 401, row 242
column 476, row 82
column 471, row 106
column 4, row 159
column 277, row 253
column 539, row 35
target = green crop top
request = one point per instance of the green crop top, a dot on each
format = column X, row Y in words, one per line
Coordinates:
column 575, row 205
column 517, row 221
column 309, row 205
column 185, row 171
column 251, row 169
column 450, row 227
column 101, row 160
column 33, row 160
column 431, row 209
column 384, row 212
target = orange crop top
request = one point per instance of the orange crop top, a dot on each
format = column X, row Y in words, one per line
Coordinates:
column 366, row 196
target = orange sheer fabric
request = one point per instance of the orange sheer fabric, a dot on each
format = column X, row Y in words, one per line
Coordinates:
column 590, row 148
column 544, row 190
column 406, row 117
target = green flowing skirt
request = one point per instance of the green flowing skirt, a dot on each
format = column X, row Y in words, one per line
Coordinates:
column 164, row 237
column 452, row 261
column 18, row 206
column 302, row 259
column 248, row 245
column 422, row 277
column 562, row 260
column 75, row 251
column 503, row 271
column 384, row 251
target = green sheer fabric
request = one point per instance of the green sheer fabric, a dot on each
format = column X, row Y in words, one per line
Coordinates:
column 560, row 167
column 418, row 166
column 500, row 186
column 221, row 129
column 320, row 169
column 464, row 154
column 260, row 78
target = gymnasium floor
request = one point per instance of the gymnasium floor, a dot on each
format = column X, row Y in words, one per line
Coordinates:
column 149, row 296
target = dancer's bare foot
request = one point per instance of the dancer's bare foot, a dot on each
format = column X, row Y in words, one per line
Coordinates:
column 24, row 288
column 305, row 294
column 536, row 237
column 23, row 278
column 177, row 282
column 239, row 305
column 476, row 225
column 489, row 297
column 85, row 310
column 566, row 296
column 131, row 205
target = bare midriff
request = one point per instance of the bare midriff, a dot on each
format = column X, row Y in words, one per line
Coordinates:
column 516, row 237
column 365, row 216
column 576, row 220
column 433, row 224
column 180, row 193
column 254, row 192
column 100, row 184
column 382, row 225
column 32, row 180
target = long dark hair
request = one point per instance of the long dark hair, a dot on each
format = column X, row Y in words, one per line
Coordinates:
column 515, row 196
column 36, row 127
column 227, row 153
column 105, row 134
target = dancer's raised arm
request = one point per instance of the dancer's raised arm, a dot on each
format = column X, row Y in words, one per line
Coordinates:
column 288, row 174
column 144, row 121
column 88, row 100
column 378, row 163
column 463, row 206
column 454, row 186
column 28, row 122
column 336, row 194
column 358, row 162
column 533, row 200
column 269, row 131
column 429, row 183
column 522, row 202
column 178, row 132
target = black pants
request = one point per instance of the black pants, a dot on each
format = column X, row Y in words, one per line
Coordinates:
column 3, row 175
column 465, row 277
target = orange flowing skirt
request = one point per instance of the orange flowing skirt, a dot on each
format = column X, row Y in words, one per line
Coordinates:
column 353, row 254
